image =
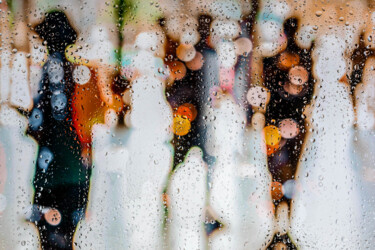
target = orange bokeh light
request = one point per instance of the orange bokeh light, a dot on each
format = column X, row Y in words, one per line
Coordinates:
column 276, row 190
column 187, row 110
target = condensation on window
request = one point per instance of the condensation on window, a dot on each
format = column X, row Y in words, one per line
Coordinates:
column 187, row 124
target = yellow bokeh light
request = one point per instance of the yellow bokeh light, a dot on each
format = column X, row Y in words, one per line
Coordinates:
column 181, row 125
column 272, row 135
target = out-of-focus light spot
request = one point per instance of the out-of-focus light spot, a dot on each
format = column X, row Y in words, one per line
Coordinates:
column 181, row 125
column 185, row 52
column 280, row 246
column 81, row 74
column 276, row 190
column 288, row 60
column 258, row 96
column 59, row 102
column 196, row 63
column 298, row 75
column 45, row 158
column 289, row 188
column 36, row 119
column 53, row 217
column 293, row 89
column 288, row 128
column 271, row 149
column 271, row 135
column 55, row 70
column 243, row 46
column 188, row 111
column 177, row 69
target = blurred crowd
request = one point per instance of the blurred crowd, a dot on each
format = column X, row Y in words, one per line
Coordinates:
column 228, row 124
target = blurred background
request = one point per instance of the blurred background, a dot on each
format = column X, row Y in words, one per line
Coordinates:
column 281, row 91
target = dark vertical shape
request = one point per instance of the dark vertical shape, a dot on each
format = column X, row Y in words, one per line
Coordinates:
column 61, row 179
column 283, row 163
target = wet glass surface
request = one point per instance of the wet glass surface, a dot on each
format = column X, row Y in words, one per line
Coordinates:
column 231, row 124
